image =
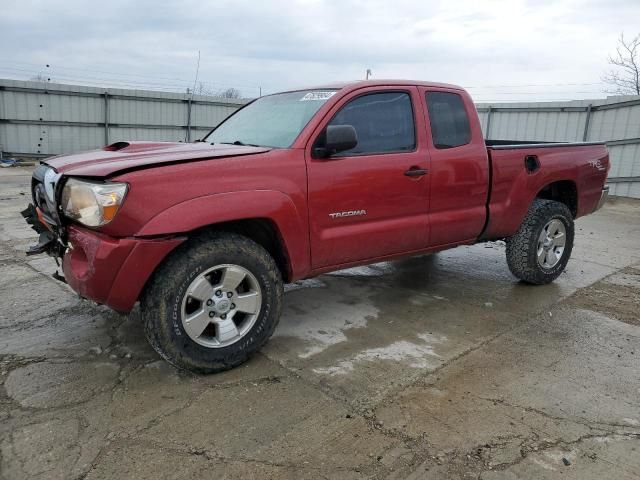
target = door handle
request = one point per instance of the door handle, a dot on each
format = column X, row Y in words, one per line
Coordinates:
column 416, row 172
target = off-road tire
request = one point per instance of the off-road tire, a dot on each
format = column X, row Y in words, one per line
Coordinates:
column 162, row 299
column 522, row 247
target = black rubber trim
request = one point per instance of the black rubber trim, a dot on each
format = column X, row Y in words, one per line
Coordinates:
column 515, row 145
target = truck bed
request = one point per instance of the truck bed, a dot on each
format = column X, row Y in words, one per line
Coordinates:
column 520, row 171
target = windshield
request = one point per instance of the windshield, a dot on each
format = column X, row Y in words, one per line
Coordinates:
column 271, row 121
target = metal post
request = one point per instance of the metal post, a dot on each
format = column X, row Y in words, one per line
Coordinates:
column 587, row 121
column 106, row 118
column 189, row 119
column 486, row 135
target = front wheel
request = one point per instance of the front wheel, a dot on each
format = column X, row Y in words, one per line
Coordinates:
column 213, row 303
column 538, row 253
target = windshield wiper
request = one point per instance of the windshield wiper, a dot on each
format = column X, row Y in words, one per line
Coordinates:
column 238, row 142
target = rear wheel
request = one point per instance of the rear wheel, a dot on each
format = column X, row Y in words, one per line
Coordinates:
column 538, row 253
column 213, row 303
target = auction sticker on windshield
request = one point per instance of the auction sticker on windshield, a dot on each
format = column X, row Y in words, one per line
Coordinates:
column 317, row 96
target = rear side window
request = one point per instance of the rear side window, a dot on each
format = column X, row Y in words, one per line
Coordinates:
column 383, row 122
column 449, row 121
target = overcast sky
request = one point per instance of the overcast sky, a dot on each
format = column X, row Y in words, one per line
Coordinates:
column 500, row 50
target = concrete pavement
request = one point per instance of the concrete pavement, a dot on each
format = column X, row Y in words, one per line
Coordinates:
column 442, row 366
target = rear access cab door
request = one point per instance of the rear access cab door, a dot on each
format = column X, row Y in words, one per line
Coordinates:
column 459, row 174
column 371, row 201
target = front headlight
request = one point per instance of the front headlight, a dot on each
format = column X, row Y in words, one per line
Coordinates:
column 92, row 204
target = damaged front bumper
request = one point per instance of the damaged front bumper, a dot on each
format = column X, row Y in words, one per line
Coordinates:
column 49, row 241
column 107, row 270
column 43, row 215
column 112, row 271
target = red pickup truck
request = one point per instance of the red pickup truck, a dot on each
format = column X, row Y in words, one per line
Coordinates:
column 292, row 185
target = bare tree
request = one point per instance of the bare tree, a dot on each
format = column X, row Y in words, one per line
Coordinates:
column 624, row 79
column 230, row 93
column 202, row 89
column 40, row 78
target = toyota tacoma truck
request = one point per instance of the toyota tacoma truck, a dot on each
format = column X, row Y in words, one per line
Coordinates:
column 204, row 235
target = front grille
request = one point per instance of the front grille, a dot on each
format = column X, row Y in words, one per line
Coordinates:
column 40, row 198
column 44, row 185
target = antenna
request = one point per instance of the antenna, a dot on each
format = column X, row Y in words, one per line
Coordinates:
column 197, row 71
column 368, row 73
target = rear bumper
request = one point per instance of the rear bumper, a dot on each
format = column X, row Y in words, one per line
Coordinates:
column 603, row 198
column 112, row 271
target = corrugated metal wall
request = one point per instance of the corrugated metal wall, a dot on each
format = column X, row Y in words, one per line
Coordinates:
column 615, row 120
column 39, row 120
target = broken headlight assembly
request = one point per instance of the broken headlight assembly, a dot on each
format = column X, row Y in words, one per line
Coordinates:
column 90, row 203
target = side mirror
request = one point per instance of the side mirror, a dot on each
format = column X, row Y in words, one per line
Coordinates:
column 337, row 138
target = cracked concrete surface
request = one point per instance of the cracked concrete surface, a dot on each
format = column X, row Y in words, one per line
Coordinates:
column 442, row 366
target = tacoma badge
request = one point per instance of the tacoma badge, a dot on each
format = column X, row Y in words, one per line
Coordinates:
column 350, row 213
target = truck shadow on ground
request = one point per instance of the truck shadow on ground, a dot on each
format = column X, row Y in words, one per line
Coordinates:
column 336, row 317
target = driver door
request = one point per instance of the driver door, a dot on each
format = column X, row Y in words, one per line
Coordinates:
column 371, row 201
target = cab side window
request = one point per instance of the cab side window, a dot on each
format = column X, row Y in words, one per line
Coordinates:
column 383, row 121
column 449, row 120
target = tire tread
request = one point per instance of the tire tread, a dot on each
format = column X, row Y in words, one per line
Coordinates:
column 154, row 312
column 520, row 260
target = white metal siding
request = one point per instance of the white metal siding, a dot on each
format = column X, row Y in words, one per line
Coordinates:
column 154, row 134
column 612, row 120
column 124, row 111
column 49, row 119
column 41, row 119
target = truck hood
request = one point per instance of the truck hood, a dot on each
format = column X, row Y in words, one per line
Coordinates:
column 127, row 156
